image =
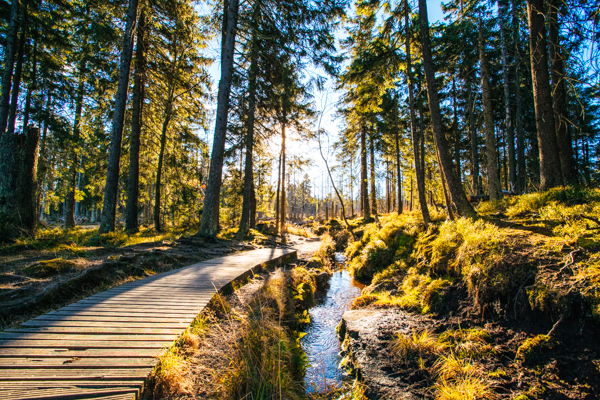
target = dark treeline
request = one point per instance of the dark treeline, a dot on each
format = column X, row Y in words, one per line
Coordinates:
column 106, row 106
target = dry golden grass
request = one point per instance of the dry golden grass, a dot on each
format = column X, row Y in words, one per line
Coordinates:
column 170, row 376
column 467, row 343
column 418, row 345
column 299, row 230
column 452, row 367
column 465, row 388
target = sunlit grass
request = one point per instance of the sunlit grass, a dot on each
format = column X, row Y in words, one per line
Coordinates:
column 78, row 241
column 419, row 345
column 467, row 343
column 170, row 374
column 304, row 231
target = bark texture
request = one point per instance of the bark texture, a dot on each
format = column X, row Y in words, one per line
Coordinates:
column 209, row 224
column 364, row 191
column 510, row 133
column 133, row 184
column 419, row 171
column 550, row 168
column 521, row 167
column 488, row 114
column 75, row 152
column 9, row 61
column 161, row 155
column 373, row 174
column 248, row 191
column 111, row 188
column 557, row 73
column 457, row 194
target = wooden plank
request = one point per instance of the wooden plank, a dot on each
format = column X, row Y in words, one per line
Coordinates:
column 69, row 363
column 81, row 337
column 175, row 303
column 122, row 313
column 150, row 292
column 83, row 345
column 7, row 385
column 108, row 324
column 67, row 394
column 99, row 318
column 74, row 374
column 90, row 353
column 121, row 307
column 97, row 330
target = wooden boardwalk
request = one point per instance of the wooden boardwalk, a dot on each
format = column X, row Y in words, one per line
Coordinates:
column 105, row 346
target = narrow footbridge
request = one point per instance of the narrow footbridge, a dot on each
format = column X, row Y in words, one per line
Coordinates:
column 105, row 346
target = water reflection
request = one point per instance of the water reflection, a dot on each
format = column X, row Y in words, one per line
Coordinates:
column 321, row 343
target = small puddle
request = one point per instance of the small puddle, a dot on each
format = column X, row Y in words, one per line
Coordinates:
column 321, row 343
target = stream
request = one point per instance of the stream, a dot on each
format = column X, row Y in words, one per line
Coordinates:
column 321, row 343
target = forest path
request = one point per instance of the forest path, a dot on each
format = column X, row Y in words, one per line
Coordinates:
column 105, row 346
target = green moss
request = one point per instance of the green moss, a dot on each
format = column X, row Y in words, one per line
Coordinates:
column 521, row 397
column 533, row 350
column 49, row 268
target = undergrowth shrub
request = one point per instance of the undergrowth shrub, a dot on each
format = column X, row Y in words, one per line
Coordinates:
column 303, row 286
column 380, row 247
column 323, row 256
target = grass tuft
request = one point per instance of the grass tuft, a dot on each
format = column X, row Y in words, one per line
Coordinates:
column 418, row 345
column 170, row 375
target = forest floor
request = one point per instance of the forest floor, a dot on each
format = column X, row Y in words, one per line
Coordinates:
column 58, row 267
column 503, row 307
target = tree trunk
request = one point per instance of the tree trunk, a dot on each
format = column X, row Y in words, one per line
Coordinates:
column 398, row 166
column 249, row 170
column 419, row 170
column 510, row 134
column 372, row 159
column 521, row 171
column 111, row 189
column 488, row 114
column 31, row 87
column 364, row 192
column 209, row 224
column 456, row 131
column 351, row 188
column 277, row 204
column 14, row 100
column 550, row 168
column 282, row 228
column 474, row 139
column 139, row 81
column 75, row 152
column 557, row 73
column 42, row 162
column 9, row 61
column 27, row 188
column 161, row 154
column 457, row 194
